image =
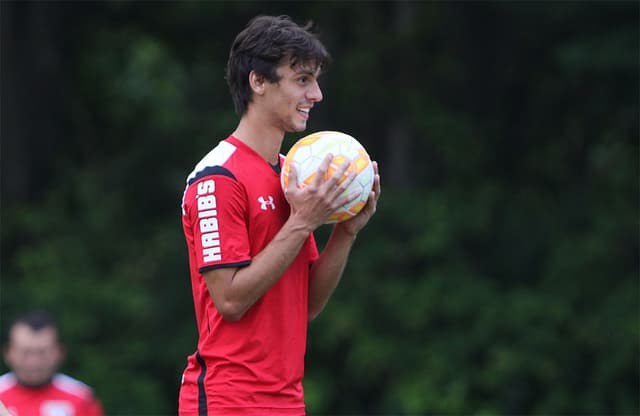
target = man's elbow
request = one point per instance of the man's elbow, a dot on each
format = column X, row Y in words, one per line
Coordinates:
column 313, row 313
column 231, row 311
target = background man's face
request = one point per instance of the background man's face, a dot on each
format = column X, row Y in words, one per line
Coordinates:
column 33, row 356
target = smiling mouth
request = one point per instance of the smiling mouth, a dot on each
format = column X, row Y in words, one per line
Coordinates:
column 304, row 112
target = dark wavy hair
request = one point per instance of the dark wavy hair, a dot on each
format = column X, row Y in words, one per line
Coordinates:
column 264, row 44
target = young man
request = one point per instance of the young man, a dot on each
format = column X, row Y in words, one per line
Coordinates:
column 256, row 274
column 33, row 388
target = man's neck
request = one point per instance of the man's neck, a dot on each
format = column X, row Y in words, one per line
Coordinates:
column 36, row 386
column 261, row 137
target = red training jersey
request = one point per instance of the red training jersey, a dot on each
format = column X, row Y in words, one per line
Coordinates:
column 63, row 396
column 232, row 207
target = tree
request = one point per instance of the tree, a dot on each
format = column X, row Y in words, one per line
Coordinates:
column 499, row 275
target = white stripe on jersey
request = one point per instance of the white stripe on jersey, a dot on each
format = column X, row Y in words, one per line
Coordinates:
column 60, row 381
column 216, row 157
column 71, row 385
column 7, row 381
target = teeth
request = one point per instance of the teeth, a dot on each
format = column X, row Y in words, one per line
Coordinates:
column 304, row 110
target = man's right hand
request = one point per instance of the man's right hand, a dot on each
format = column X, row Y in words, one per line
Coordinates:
column 312, row 204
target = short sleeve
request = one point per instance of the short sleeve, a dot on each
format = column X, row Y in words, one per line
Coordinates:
column 215, row 207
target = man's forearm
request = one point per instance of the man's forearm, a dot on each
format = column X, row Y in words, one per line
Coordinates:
column 328, row 269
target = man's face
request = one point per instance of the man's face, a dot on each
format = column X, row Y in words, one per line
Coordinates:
column 289, row 101
column 33, row 356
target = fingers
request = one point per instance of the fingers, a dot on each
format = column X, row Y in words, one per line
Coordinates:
column 336, row 183
column 326, row 190
column 374, row 195
column 376, row 180
column 372, row 201
column 292, row 181
column 341, row 178
column 322, row 170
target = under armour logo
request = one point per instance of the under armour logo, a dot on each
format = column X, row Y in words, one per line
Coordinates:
column 264, row 203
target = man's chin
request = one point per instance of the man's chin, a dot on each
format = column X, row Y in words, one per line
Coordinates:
column 34, row 384
column 297, row 128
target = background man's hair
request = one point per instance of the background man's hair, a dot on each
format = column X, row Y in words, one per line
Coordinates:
column 36, row 320
column 264, row 44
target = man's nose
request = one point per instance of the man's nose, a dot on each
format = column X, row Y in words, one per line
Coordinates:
column 314, row 93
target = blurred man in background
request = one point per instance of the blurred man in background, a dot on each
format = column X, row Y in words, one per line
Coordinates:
column 33, row 388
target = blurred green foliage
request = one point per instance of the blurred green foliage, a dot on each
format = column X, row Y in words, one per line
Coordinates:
column 500, row 275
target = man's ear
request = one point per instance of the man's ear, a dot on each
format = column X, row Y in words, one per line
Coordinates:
column 62, row 354
column 5, row 353
column 256, row 81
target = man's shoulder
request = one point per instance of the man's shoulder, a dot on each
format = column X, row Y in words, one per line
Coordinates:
column 7, row 381
column 214, row 162
column 72, row 386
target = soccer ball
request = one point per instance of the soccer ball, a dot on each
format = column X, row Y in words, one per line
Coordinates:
column 307, row 154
